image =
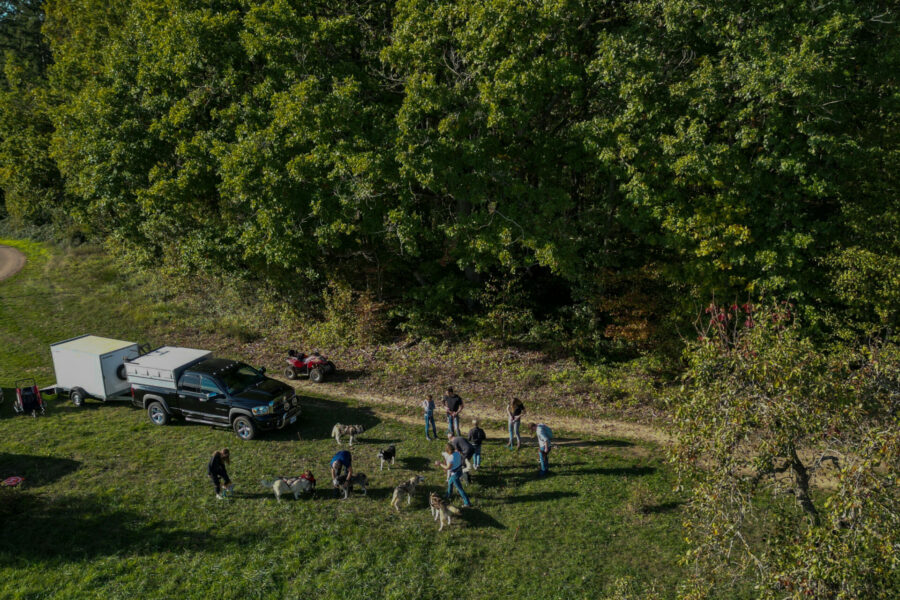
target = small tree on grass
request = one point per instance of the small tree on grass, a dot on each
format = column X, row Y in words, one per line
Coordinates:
column 792, row 455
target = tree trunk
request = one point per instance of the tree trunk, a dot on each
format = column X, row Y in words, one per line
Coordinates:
column 801, row 487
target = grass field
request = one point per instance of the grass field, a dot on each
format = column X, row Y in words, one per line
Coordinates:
column 115, row 507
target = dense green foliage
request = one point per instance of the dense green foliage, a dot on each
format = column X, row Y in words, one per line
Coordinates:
column 764, row 419
column 598, row 166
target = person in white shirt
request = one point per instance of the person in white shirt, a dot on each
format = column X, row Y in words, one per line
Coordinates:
column 453, row 465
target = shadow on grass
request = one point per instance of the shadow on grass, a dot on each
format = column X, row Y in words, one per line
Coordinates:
column 415, row 463
column 77, row 528
column 614, row 471
column 665, row 507
column 540, row 497
column 345, row 375
column 37, row 470
column 480, row 519
column 576, row 443
column 320, row 416
column 379, row 444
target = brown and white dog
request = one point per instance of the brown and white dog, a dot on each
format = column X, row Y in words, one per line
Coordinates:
column 295, row 485
column 346, row 485
column 408, row 488
column 442, row 509
column 352, row 430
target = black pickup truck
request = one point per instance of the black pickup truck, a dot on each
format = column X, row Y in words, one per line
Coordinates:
column 213, row 391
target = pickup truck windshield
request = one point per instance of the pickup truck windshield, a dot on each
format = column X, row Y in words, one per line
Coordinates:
column 239, row 377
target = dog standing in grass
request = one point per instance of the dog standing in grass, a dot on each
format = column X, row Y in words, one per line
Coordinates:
column 291, row 485
column 345, row 484
column 387, row 455
column 441, row 509
column 408, row 488
column 350, row 430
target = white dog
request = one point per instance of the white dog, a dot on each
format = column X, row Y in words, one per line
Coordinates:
column 291, row 485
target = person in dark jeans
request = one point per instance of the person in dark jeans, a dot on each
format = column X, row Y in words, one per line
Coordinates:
column 216, row 471
column 453, row 466
column 476, row 437
column 454, row 405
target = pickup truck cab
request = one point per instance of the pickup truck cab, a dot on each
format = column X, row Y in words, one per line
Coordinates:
column 190, row 384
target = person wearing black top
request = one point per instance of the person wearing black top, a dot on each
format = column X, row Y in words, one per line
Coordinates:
column 515, row 411
column 454, row 405
column 476, row 437
column 216, row 470
column 465, row 449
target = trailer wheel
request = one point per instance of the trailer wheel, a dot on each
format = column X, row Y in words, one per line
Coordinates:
column 157, row 413
column 77, row 395
column 244, row 428
column 317, row 375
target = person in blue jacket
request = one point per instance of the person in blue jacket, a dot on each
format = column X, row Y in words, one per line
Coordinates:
column 341, row 469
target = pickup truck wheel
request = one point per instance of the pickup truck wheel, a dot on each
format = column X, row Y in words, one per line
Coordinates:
column 244, row 428
column 317, row 375
column 157, row 413
column 290, row 373
column 77, row 395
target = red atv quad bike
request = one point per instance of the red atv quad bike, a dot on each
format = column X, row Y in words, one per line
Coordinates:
column 314, row 365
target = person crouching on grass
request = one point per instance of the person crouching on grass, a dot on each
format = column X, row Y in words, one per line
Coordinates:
column 217, row 473
column 340, row 461
column 466, row 450
column 453, row 465
column 544, row 435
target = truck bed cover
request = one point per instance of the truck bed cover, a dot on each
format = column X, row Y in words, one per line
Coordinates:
column 163, row 366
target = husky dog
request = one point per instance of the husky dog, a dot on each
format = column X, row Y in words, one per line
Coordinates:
column 407, row 487
column 442, row 509
column 387, row 454
column 351, row 430
column 346, row 485
column 294, row 485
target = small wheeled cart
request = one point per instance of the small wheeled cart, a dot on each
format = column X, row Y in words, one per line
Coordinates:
column 89, row 366
column 28, row 398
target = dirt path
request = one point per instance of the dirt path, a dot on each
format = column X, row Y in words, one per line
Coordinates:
column 602, row 428
column 11, row 262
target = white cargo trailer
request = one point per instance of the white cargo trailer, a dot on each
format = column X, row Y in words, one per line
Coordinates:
column 162, row 367
column 89, row 366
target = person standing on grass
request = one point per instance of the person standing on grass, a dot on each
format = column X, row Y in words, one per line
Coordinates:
column 340, row 462
column 428, row 405
column 217, row 473
column 454, row 406
column 544, row 435
column 476, row 437
column 453, row 465
column 515, row 410
column 466, row 450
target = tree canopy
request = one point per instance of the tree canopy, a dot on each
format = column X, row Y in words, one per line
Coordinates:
column 604, row 165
